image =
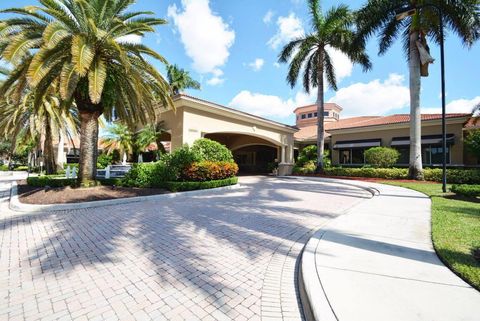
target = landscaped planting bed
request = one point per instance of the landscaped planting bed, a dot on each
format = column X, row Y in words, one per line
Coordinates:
column 207, row 164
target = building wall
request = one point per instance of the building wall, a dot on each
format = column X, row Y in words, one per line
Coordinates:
column 188, row 124
column 386, row 135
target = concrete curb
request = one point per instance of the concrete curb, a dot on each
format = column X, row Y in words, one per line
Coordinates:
column 370, row 189
column 16, row 205
column 310, row 285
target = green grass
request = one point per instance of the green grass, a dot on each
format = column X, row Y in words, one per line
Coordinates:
column 455, row 229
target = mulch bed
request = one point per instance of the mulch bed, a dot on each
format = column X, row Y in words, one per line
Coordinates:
column 62, row 195
column 366, row 179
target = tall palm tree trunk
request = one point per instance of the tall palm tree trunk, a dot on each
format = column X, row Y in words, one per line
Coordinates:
column 415, row 168
column 60, row 151
column 88, row 147
column 48, row 152
column 320, row 116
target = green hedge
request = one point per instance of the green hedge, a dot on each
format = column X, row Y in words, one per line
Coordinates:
column 466, row 190
column 62, row 181
column 4, row 168
column 50, row 180
column 454, row 176
column 190, row 186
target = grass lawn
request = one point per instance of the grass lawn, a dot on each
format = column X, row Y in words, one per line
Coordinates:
column 455, row 229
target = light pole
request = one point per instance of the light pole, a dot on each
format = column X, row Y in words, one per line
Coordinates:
column 407, row 11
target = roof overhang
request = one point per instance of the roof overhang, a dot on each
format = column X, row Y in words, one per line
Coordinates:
column 358, row 143
column 433, row 122
column 200, row 104
column 426, row 140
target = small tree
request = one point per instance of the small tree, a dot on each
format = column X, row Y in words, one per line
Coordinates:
column 472, row 142
column 309, row 154
column 382, row 156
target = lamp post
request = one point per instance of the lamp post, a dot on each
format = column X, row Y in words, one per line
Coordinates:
column 407, row 11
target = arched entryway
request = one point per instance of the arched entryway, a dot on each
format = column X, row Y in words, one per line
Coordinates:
column 254, row 155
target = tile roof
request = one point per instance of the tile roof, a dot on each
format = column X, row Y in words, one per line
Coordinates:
column 473, row 122
column 310, row 132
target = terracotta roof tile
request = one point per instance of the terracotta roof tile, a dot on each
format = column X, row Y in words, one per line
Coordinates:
column 473, row 122
column 310, row 132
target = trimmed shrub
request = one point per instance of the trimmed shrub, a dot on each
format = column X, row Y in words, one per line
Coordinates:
column 61, row 181
column 387, row 173
column 466, row 190
column 454, row 176
column 190, row 186
column 210, row 150
column 21, row 168
column 307, row 168
column 148, row 175
column 3, row 168
column 382, row 157
column 178, row 160
column 51, row 181
column 207, row 170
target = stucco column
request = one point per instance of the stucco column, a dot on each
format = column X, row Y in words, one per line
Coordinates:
column 282, row 159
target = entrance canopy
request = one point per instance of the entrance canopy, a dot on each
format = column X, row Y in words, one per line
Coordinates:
column 194, row 118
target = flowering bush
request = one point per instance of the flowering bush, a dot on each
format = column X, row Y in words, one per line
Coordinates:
column 207, row 170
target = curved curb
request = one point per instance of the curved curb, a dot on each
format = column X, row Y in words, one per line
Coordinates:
column 16, row 205
column 370, row 189
column 311, row 288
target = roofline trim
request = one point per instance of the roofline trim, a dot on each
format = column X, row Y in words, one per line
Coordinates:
column 235, row 111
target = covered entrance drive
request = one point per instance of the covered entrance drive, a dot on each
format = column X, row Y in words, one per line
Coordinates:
column 253, row 155
column 258, row 144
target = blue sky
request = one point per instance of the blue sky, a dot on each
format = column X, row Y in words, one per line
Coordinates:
column 231, row 47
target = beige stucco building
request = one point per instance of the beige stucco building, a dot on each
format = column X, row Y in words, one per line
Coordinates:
column 348, row 138
column 256, row 143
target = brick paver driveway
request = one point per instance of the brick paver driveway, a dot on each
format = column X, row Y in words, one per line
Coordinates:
column 219, row 256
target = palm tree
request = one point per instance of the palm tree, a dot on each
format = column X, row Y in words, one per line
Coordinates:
column 310, row 55
column 179, row 79
column 378, row 17
column 84, row 45
column 119, row 137
column 26, row 121
column 152, row 133
column 476, row 110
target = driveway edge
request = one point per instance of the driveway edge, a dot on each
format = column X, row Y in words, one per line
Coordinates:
column 16, row 205
column 311, row 287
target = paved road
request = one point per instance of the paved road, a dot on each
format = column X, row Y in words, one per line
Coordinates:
column 219, row 256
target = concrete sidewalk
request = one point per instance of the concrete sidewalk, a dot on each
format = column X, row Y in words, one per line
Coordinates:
column 378, row 263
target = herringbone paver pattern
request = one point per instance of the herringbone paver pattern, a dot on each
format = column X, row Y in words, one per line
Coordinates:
column 218, row 256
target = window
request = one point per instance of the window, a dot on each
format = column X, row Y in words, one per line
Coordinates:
column 310, row 115
column 315, row 114
column 404, row 157
column 352, row 156
column 325, row 113
column 431, row 155
column 304, row 116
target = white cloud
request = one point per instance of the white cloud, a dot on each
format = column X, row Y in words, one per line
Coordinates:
column 269, row 105
column 276, row 65
column 289, row 28
column 206, row 37
column 455, row 106
column 257, row 64
column 216, row 78
column 268, row 17
column 373, row 98
column 341, row 63
column 134, row 39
